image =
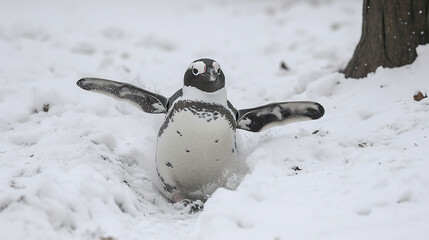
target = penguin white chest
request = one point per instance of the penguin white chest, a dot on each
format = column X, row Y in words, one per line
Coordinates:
column 196, row 149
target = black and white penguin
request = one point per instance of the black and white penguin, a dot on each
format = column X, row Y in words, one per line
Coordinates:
column 196, row 146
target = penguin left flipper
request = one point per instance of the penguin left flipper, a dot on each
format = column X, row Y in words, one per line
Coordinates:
column 276, row 114
column 147, row 101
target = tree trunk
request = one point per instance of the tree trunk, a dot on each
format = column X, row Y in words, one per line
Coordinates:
column 391, row 31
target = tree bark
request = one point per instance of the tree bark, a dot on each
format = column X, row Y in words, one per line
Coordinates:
column 391, row 31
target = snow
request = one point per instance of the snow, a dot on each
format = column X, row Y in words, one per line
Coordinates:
column 79, row 165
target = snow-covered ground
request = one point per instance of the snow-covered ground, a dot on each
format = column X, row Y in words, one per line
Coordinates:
column 78, row 165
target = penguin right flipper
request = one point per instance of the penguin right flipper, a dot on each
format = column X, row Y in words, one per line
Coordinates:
column 147, row 101
column 276, row 114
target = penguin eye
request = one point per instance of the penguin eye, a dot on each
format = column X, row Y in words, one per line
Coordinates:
column 216, row 67
column 198, row 68
column 195, row 71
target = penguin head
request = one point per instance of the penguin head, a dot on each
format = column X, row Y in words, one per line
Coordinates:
column 205, row 74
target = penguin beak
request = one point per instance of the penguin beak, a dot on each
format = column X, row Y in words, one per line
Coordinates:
column 212, row 75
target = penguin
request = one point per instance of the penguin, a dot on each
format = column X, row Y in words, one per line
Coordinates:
column 196, row 150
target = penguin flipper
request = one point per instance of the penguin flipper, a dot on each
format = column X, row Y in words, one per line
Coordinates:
column 147, row 101
column 277, row 114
